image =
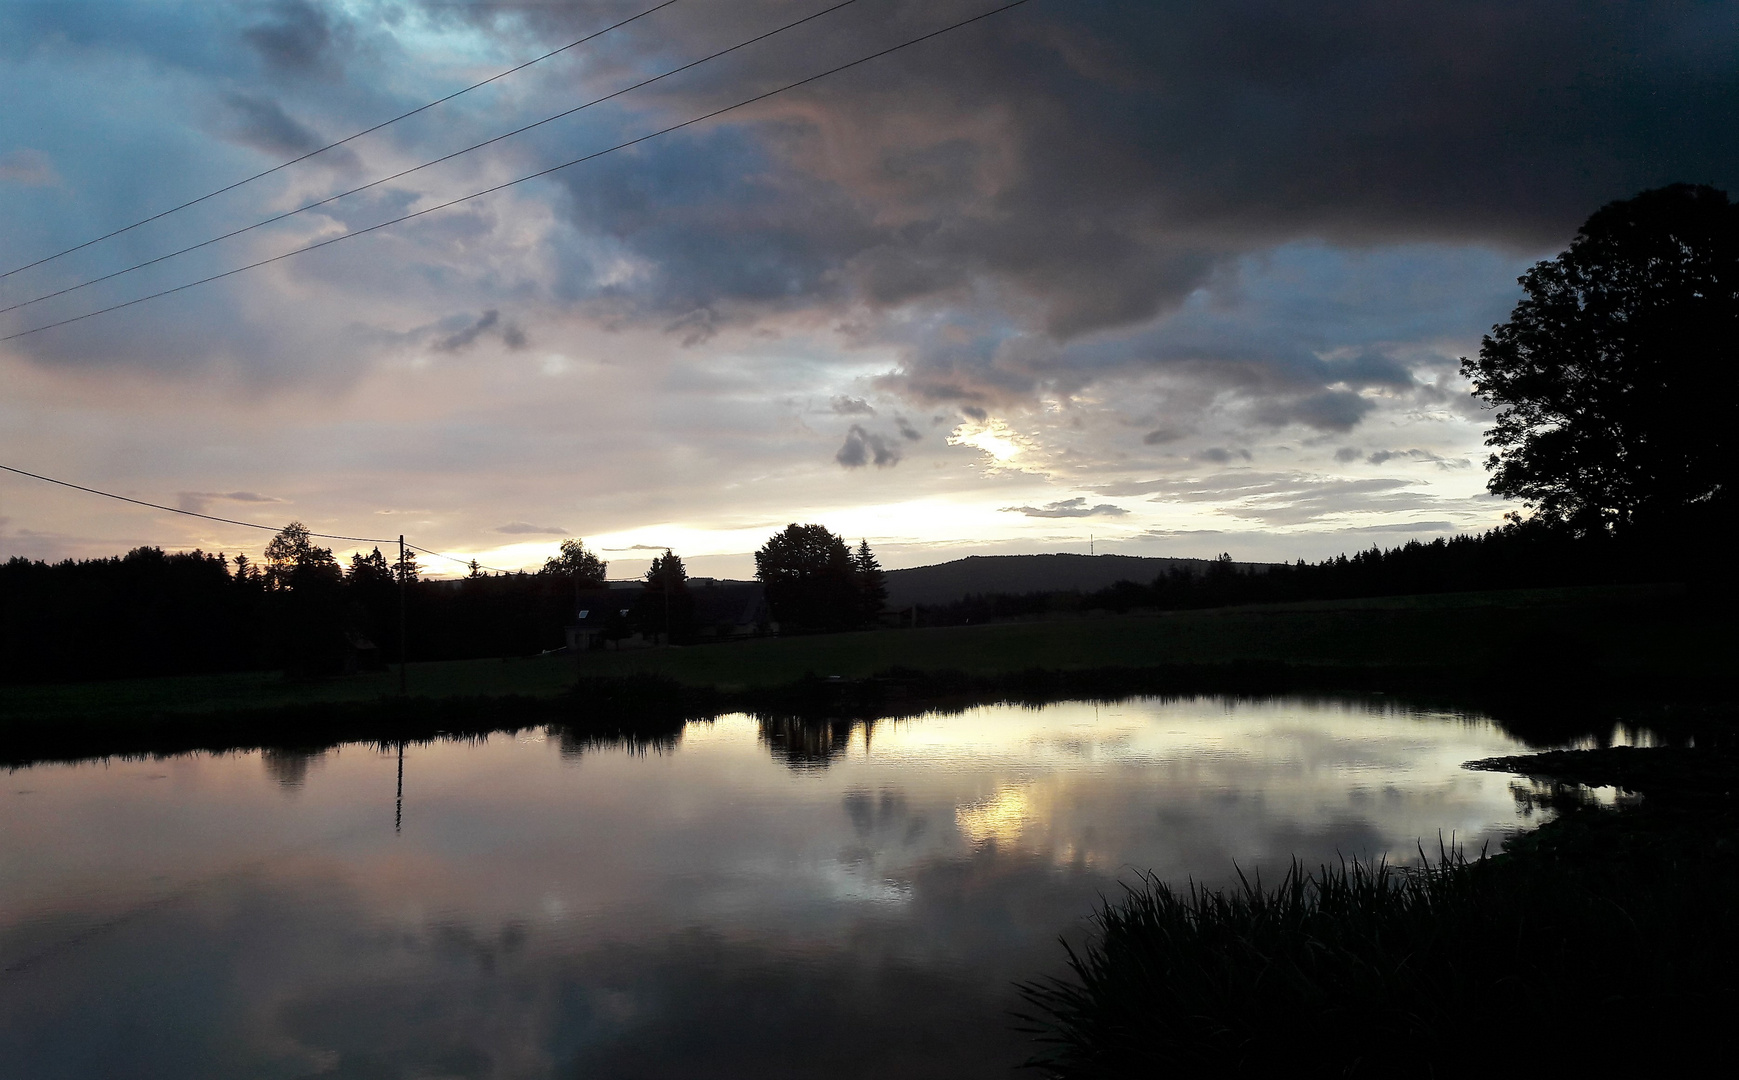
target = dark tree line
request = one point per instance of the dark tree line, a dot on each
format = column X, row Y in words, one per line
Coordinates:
column 154, row 613
column 301, row 610
column 1530, row 554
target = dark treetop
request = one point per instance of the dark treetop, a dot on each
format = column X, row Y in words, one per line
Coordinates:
column 1617, row 378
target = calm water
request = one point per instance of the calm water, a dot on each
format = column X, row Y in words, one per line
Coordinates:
column 746, row 902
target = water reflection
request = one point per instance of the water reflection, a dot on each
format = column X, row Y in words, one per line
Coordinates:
column 290, row 767
column 748, row 898
column 804, row 743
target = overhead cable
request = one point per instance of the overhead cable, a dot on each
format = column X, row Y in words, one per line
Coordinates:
column 244, row 524
column 335, row 145
column 427, row 164
column 530, row 176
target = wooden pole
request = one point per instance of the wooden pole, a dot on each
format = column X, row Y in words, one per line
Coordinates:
column 402, row 647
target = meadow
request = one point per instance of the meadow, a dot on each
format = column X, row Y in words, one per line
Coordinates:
column 1647, row 633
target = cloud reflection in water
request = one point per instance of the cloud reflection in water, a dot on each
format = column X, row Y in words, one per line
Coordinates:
column 703, row 909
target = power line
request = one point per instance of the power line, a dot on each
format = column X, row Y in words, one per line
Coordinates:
column 461, row 562
column 530, row 176
column 188, row 513
column 334, row 145
column 427, row 164
column 244, row 524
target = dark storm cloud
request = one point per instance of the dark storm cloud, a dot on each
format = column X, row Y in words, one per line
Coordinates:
column 264, row 125
column 1103, row 158
column 1381, row 457
column 866, row 447
column 1068, row 508
column 294, row 37
column 1219, row 455
column 850, row 406
column 1331, row 410
column 526, row 528
column 198, row 501
column 1161, row 436
column 1055, row 197
column 490, row 321
column 907, row 431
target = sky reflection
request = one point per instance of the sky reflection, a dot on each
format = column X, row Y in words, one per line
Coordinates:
column 700, row 909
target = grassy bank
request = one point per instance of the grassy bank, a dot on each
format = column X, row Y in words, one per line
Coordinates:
column 1628, row 634
column 1604, row 939
column 1549, row 664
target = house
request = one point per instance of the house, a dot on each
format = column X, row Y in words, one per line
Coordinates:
column 712, row 611
column 602, row 620
column 727, row 609
column 361, row 654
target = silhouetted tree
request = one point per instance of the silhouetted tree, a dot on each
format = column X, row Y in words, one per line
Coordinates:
column 810, row 580
column 666, row 607
column 872, row 585
column 667, row 573
column 293, row 559
column 1617, row 377
column 369, row 571
column 405, row 568
column 576, row 562
column 306, row 612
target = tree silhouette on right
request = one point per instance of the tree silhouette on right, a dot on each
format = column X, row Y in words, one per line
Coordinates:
column 1617, row 376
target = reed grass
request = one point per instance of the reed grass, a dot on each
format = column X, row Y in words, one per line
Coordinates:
column 1453, row 967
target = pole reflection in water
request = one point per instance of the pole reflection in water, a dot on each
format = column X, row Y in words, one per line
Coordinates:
column 569, row 907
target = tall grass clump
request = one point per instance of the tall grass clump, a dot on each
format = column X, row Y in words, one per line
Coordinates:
column 1449, row 968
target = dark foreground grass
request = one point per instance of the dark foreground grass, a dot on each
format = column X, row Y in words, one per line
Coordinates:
column 1604, row 940
column 1646, row 636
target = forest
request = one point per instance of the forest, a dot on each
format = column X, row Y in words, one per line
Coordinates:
column 151, row 612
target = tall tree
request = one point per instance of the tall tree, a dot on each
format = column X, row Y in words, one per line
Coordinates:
column 872, row 584
column 368, row 571
column 810, row 581
column 1617, row 376
column 666, row 607
column 293, row 559
column 576, row 562
column 667, row 574
column 305, row 620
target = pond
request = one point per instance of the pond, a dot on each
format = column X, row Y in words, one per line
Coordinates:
column 750, row 899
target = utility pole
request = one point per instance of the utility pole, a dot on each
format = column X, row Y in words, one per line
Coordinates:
column 402, row 649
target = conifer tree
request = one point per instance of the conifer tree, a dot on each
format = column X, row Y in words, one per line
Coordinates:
column 872, row 586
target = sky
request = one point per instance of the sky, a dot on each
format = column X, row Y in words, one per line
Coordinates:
column 1168, row 279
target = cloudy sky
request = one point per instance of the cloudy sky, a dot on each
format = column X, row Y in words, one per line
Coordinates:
column 1184, row 277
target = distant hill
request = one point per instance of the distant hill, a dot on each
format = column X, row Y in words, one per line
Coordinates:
column 947, row 582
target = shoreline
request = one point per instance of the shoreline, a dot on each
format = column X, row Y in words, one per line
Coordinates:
column 645, row 705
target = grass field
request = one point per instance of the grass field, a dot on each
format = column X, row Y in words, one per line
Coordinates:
column 1634, row 630
column 1649, row 632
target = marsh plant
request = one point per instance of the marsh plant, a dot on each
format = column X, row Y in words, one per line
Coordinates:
column 1439, row 969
